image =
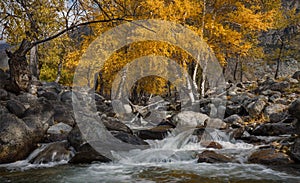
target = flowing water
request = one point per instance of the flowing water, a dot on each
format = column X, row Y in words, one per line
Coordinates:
column 170, row 160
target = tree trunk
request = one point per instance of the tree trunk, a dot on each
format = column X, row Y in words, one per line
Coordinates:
column 20, row 74
column 241, row 71
column 59, row 68
column 278, row 60
column 235, row 70
column 34, row 62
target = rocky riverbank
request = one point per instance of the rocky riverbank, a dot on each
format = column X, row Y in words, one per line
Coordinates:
column 264, row 113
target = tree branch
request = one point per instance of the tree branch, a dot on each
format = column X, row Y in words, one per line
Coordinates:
column 75, row 26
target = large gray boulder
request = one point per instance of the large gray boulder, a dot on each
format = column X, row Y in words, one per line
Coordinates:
column 189, row 119
column 15, row 139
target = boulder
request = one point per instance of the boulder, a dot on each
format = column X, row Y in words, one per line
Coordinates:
column 295, row 150
column 51, row 87
column 294, row 109
column 189, row 119
column 208, row 156
column 234, row 119
column 58, row 132
column 49, row 95
column 15, row 139
column 280, row 86
column 75, row 138
column 66, row 96
column 16, row 107
column 233, row 109
column 63, row 114
column 128, row 138
column 87, row 154
column 211, row 144
column 255, row 108
column 274, row 129
column 296, row 75
column 275, row 112
column 113, row 124
column 53, row 152
column 156, row 133
column 269, row 157
column 215, row 123
column 39, row 117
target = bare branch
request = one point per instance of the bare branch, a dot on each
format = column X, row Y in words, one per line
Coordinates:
column 75, row 26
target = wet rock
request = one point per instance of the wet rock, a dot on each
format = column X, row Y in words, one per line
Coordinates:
column 296, row 75
column 294, row 109
column 269, row 157
column 210, row 144
column 16, row 107
column 113, row 124
column 128, row 138
column 58, row 132
column 295, row 150
column 156, row 133
column 54, row 152
column 213, row 157
column 87, row 154
column 189, row 119
column 255, row 108
column 15, row 139
column 274, row 129
column 3, row 94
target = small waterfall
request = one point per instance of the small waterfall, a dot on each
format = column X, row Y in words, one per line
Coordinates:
column 182, row 145
column 46, row 155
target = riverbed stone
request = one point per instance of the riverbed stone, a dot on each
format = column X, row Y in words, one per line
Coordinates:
column 208, row 156
column 155, row 133
column 54, row 152
column 128, row 138
column 87, row 154
column 189, row 119
column 269, row 157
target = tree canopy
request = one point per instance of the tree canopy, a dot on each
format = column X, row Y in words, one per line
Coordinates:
column 64, row 29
